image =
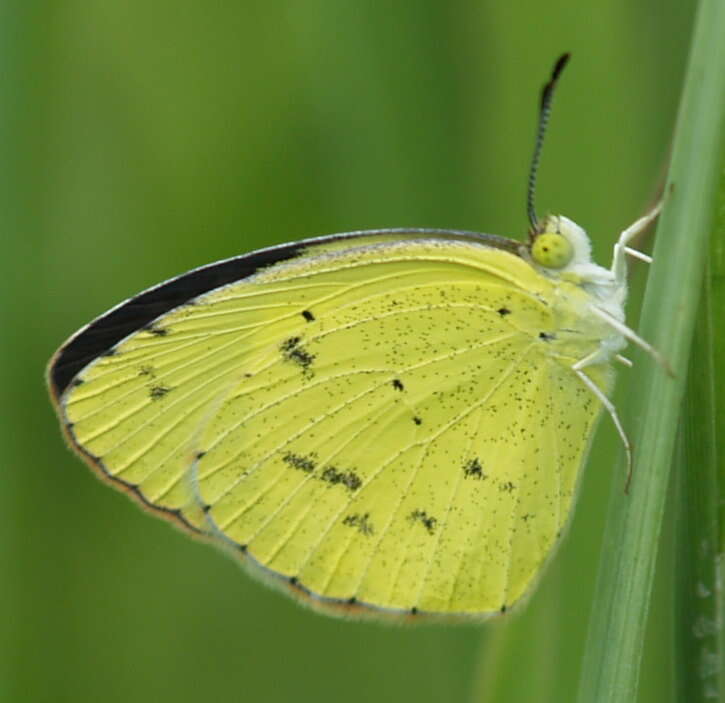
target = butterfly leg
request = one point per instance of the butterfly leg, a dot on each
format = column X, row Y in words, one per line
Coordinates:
column 632, row 336
column 619, row 266
column 623, row 360
column 636, row 254
column 608, row 406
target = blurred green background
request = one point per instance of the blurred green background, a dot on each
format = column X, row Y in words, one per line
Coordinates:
column 141, row 139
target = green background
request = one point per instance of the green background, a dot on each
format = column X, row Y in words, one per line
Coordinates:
column 141, row 139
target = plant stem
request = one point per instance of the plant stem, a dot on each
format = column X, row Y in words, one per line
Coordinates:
column 696, row 632
column 613, row 653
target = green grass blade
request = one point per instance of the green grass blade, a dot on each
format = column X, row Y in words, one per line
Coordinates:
column 697, row 647
column 717, row 295
column 614, row 647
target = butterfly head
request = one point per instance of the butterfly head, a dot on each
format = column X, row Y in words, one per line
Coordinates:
column 559, row 245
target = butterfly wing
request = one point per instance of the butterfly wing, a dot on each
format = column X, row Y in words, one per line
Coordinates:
column 377, row 419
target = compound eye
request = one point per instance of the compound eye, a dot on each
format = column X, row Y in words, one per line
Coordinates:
column 554, row 251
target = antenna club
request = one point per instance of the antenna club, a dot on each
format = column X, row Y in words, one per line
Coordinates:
column 559, row 65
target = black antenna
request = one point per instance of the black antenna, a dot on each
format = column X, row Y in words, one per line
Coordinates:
column 547, row 95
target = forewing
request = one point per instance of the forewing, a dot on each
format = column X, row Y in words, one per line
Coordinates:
column 380, row 425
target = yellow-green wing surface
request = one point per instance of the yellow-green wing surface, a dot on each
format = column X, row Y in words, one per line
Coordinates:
column 387, row 422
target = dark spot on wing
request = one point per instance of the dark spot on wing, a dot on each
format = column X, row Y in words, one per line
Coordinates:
column 417, row 420
column 527, row 517
column 507, row 487
column 546, row 336
column 308, row 315
column 349, row 479
column 503, row 312
column 473, row 469
column 293, row 580
column 503, row 608
column 157, row 331
column 158, row 392
column 242, row 548
column 290, row 343
column 414, row 611
column 147, row 371
column 428, row 521
column 199, row 455
column 398, row 384
column 94, row 457
column 206, row 508
column 302, row 463
column 294, row 352
column 360, row 522
column 78, row 382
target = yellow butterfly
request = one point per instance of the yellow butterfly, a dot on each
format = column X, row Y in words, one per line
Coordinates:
column 386, row 422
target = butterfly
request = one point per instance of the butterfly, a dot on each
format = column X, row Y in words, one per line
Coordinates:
column 385, row 423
